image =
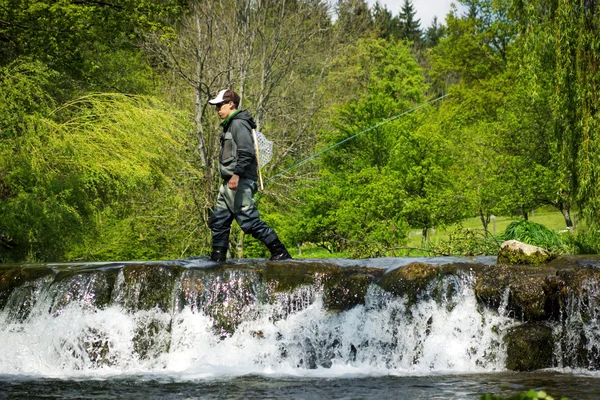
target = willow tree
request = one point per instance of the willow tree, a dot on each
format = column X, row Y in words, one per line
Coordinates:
column 94, row 179
column 560, row 47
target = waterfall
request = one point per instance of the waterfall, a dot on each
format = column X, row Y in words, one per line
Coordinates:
column 303, row 318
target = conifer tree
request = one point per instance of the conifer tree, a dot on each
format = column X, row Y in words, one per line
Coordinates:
column 434, row 33
column 410, row 28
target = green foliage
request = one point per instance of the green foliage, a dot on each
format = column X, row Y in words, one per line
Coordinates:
column 107, row 176
column 534, row 234
column 361, row 215
column 410, row 28
column 92, row 45
column 27, row 91
column 94, row 180
column 583, row 241
column 529, row 395
column 467, row 242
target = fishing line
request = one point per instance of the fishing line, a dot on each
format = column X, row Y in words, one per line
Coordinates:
column 353, row 136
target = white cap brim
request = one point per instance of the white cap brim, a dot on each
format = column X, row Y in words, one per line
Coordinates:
column 219, row 98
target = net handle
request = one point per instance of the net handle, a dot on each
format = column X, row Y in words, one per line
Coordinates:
column 260, row 180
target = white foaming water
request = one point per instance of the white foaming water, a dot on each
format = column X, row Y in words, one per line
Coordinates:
column 386, row 336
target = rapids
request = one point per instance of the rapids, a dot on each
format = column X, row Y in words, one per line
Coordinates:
column 191, row 320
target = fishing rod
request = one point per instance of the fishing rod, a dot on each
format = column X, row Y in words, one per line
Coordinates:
column 353, row 136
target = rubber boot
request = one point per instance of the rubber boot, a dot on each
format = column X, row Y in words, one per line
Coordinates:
column 278, row 251
column 219, row 254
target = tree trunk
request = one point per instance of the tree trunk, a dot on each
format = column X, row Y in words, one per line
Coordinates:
column 485, row 220
column 425, row 237
column 566, row 212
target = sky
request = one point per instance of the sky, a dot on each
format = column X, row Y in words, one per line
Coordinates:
column 426, row 9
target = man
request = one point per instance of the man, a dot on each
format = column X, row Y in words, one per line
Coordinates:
column 239, row 169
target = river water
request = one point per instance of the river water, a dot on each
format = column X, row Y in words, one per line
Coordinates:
column 56, row 344
column 272, row 386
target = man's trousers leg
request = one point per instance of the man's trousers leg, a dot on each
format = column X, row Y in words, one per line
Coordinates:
column 240, row 203
column 220, row 221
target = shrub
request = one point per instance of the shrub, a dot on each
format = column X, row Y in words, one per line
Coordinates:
column 534, row 234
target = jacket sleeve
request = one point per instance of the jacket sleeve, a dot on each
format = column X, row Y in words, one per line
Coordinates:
column 246, row 154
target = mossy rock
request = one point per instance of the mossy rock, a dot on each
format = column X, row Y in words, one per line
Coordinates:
column 229, row 294
column 13, row 277
column 91, row 288
column 528, row 298
column 518, row 253
column 285, row 277
column 577, row 286
column 411, row 280
column 492, row 282
column 347, row 288
column 148, row 286
column 529, row 347
column 531, row 289
column 152, row 338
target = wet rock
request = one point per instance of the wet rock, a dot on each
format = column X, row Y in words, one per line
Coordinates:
column 527, row 292
column 97, row 346
column 228, row 294
column 579, row 302
column 90, row 289
column 515, row 252
column 23, row 298
column 144, row 287
column 347, row 288
column 529, row 347
column 152, row 336
column 410, row 280
column 284, row 277
column 418, row 281
column 14, row 277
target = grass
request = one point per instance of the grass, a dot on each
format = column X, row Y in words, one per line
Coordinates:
column 547, row 216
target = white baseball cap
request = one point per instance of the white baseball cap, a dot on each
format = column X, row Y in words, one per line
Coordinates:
column 222, row 97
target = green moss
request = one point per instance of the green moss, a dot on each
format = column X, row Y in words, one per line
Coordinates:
column 149, row 286
column 528, row 297
column 518, row 257
column 284, row 277
column 343, row 291
column 529, row 347
column 419, row 280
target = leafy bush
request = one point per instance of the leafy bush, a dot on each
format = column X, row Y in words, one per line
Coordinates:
column 468, row 242
column 530, row 395
column 534, row 234
column 584, row 241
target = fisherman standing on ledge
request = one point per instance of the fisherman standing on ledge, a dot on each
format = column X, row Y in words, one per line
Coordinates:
column 238, row 167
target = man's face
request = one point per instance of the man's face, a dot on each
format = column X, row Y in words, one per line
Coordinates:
column 225, row 109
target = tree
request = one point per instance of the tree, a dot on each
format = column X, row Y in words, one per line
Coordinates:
column 410, row 28
column 434, row 33
column 353, row 20
column 91, row 43
column 381, row 181
column 560, row 63
column 92, row 179
column 507, row 168
column 273, row 53
column 387, row 25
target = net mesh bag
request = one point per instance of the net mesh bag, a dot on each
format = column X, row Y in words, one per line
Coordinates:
column 265, row 149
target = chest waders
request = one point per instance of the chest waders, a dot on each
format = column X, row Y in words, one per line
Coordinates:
column 239, row 205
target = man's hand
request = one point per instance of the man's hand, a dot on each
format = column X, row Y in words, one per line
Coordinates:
column 233, row 182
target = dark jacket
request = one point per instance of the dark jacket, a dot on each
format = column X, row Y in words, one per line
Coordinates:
column 238, row 155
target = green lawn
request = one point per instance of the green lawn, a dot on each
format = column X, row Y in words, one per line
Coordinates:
column 550, row 218
column 546, row 216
